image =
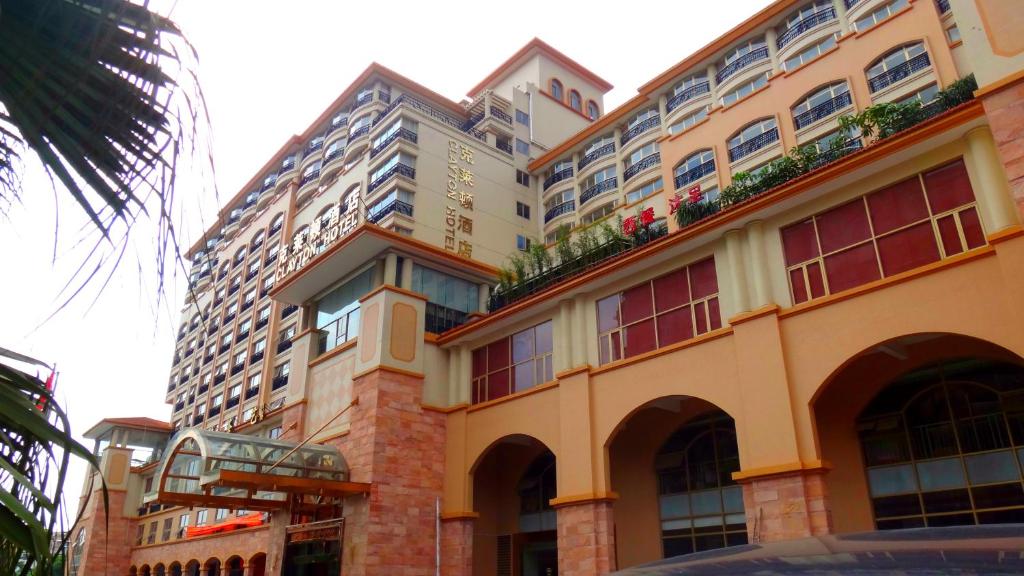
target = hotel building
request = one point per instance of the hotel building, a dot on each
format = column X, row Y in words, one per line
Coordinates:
column 358, row 387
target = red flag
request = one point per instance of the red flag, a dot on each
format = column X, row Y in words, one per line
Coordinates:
column 41, row 405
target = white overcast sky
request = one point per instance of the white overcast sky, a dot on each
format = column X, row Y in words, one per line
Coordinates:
column 267, row 70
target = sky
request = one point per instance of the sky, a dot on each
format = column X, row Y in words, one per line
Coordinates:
column 268, row 69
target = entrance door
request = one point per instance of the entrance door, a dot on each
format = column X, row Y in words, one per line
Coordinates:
column 538, row 554
column 313, row 558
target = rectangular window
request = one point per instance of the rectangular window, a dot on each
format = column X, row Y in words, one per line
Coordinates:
column 522, row 147
column 151, row 538
column 139, row 534
column 337, row 313
column 166, row 535
column 900, row 227
column 513, row 364
column 522, row 117
column 669, row 309
column 523, row 210
column 522, row 243
column 523, row 178
column 201, row 517
column 222, row 513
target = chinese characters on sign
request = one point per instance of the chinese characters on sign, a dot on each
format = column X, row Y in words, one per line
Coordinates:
column 458, row 226
column 646, row 219
column 336, row 223
column 693, row 196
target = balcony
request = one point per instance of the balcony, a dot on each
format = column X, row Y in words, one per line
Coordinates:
column 252, row 392
column 279, row 382
column 652, row 122
column 284, row 345
column 823, row 110
column 288, row 310
column 198, row 419
column 407, row 101
column 224, row 348
column 275, row 228
column 501, row 115
column 237, row 368
column 559, row 210
column 252, row 274
column 207, row 358
column 652, row 160
column 557, row 177
column 359, row 132
column 247, row 304
column 375, row 214
column 363, row 100
column 311, row 176
column 269, row 182
column 179, row 406
column 441, row 318
column 204, row 387
column 214, row 410
column 942, row 5
column 211, row 330
column 601, row 152
column 232, row 402
column 241, row 336
column 399, row 168
column 270, row 260
column 217, row 302
column 262, row 322
column 264, row 291
column 403, row 133
column 753, row 145
column 695, row 173
column 337, row 123
column 686, row 95
column 217, row 380
column 256, row 357
column 234, row 289
column 598, row 189
column 336, row 152
column 748, row 59
column 803, row 25
column 228, row 318
column 899, row 72
column 504, row 146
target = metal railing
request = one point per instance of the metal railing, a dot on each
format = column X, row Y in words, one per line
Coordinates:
column 640, row 128
column 825, row 109
column 364, row 99
column 686, row 95
column 642, row 165
column 439, row 318
column 279, row 382
column 505, row 146
column 898, row 72
column 501, row 115
column 334, row 153
column 805, row 24
column 407, row 171
column 559, row 210
column 593, row 155
column 753, row 145
column 251, row 392
column 406, row 100
column 288, row 310
column 597, row 189
column 284, row 345
column 943, row 6
column 403, row 133
column 375, row 215
column 358, row 132
column 695, row 173
column 557, row 177
column 742, row 62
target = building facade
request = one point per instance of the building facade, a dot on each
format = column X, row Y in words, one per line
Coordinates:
column 755, row 319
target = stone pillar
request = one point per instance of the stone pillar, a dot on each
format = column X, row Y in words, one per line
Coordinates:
column 771, row 40
column 786, row 506
column 563, row 359
column 991, row 185
column 840, row 8
column 390, row 268
column 406, row 273
column 737, row 279
column 663, row 107
column 483, row 297
column 465, row 374
column 586, row 538
column 457, row 547
column 757, row 267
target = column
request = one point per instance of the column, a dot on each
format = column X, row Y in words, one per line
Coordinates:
column 991, row 186
column 840, row 8
column 663, row 107
column 563, row 342
column 456, row 546
column 713, row 81
column 757, row 267
column 465, row 374
column 406, row 273
column 579, row 333
column 737, row 279
column 1005, row 113
column 771, row 39
column 484, row 297
column 390, row 268
column 586, row 538
column 786, row 506
column 454, row 355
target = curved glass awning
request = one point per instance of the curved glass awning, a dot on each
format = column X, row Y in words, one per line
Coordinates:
column 218, row 469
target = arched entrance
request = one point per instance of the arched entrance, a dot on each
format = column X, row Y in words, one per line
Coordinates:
column 175, row 569
column 924, row 430
column 671, row 463
column 235, row 566
column 159, row 570
column 144, row 571
column 192, row 568
column 258, row 565
column 515, row 534
column 212, row 567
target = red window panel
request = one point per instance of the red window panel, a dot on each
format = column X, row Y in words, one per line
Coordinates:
column 479, row 362
column 498, row 384
column 950, row 235
column 973, row 232
column 700, row 318
column 671, row 291
column 675, row 326
column 714, row 314
column 897, row 206
column 637, row 303
column 908, row 248
column 796, row 282
column 800, row 242
column 703, row 279
column 815, row 280
column 948, row 187
column 639, row 338
column 843, row 226
column 495, row 376
column 851, row 268
column 497, row 355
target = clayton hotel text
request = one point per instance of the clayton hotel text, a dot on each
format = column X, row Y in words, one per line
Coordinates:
column 757, row 317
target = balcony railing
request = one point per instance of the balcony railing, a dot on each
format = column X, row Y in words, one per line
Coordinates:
column 601, row 152
column 284, row 345
column 407, row 171
column 652, row 122
column 179, row 406
column 642, row 165
column 505, row 146
column 207, row 358
column 262, row 322
column 288, row 310
column 686, row 95
column 279, row 382
column 375, row 214
column 595, row 190
column 805, row 24
column 269, row 183
column 224, row 348
column 559, row 210
column 256, row 357
column 333, row 153
column 501, row 115
column 364, row 99
column 309, row 177
column 441, row 318
column 247, row 304
column 406, row 100
column 252, row 274
column 557, row 177
column 899, row 72
column 403, row 133
column 943, row 6
column 204, row 386
column 251, row 392
column 198, row 419
column 214, row 410
column 851, row 3
column 695, row 173
column 241, row 336
column 237, row 368
column 753, row 145
column 748, row 59
column 823, row 110
column 233, row 401
column 358, row 132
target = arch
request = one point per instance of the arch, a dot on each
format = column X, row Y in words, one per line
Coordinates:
column 593, row 110
column 175, row 569
column 324, row 211
column 240, row 254
column 693, row 160
column 257, row 239
column 192, row 568
column 258, row 564
column 160, row 570
column 212, row 567
column 277, row 223
column 234, row 566
column 575, row 100
column 133, row 571
column 747, row 130
column 144, row 570
column 556, row 89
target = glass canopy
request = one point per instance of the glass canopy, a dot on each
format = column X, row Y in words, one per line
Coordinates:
column 206, row 468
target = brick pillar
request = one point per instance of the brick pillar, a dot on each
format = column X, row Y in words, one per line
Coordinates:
column 1005, row 111
column 787, row 506
column 586, row 538
column 457, row 547
column 107, row 547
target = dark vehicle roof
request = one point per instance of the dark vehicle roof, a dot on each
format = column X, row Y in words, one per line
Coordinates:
column 920, row 551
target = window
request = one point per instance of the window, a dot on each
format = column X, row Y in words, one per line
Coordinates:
column 235, row 391
column 953, row 34
column 201, row 517
column 513, row 364
column 878, row 15
column 222, row 513
column 264, row 314
column 243, row 328
column 689, row 121
column 644, row 191
column 216, row 401
column 394, row 160
column 593, row 112
column 337, row 314
column 254, row 381
column 745, row 90
column 182, row 525
column 222, row 369
column 268, row 282
column 752, row 137
column 821, row 103
column 808, row 54
column 401, row 230
column 523, row 178
column 896, row 66
column 250, row 295
column 744, row 49
column 558, row 199
column 557, row 233
column 139, row 534
column 672, row 308
column 522, row 243
column 360, row 123
column 240, row 255
column 166, row 535
column 254, row 268
column 694, row 167
column 393, row 129
column 640, row 154
column 522, row 147
column 596, row 145
column 522, row 117
column 445, row 290
column 575, row 102
column 277, row 223
column 259, row 346
column 151, row 536
column 807, row 11
column 925, row 95
column 225, row 340
column 639, row 118
column 274, row 433
column 556, row 89
column 903, row 226
column 240, row 358
column 522, row 210
column 595, row 215
column 232, row 310
column 287, row 333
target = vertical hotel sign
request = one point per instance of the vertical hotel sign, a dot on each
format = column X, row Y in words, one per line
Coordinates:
column 458, row 224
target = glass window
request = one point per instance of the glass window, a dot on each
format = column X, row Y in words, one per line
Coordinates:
column 689, row 121
column 575, row 102
column 598, row 177
column 201, row 517
column 592, row 110
column 878, row 15
column 337, row 314
column 895, row 58
column 808, row 54
column 513, row 364
column 395, row 159
column 522, row 147
column 556, row 89
column 393, row 129
column 522, row 117
column 651, row 113
column 745, row 90
column 595, row 215
column 744, row 49
column 821, row 96
column 599, row 143
column 445, row 290
column 953, row 34
column 752, row 131
column 644, row 191
column 641, row 153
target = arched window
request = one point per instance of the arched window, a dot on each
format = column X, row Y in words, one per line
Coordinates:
column 821, row 103
column 277, row 223
column 896, row 65
column 575, row 102
column 257, row 240
column 592, row 110
column 240, row 256
column 694, row 167
column 752, row 137
column 556, row 89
